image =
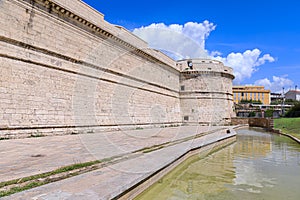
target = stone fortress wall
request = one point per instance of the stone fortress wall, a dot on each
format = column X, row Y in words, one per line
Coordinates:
column 65, row 70
column 205, row 92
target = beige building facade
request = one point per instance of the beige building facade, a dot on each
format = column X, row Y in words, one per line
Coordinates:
column 65, row 70
column 255, row 93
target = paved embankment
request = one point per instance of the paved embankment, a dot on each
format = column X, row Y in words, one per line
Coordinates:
column 36, row 155
column 278, row 131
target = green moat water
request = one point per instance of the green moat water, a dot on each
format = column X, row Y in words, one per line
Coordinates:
column 258, row 165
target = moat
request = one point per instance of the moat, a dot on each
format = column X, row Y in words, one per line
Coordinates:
column 259, row 165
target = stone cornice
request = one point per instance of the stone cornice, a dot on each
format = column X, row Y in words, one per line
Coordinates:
column 70, row 17
column 208, row 93
column 195, row 73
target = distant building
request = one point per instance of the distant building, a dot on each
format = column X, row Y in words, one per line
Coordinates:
column 293, row 95
column 276, row 97
column 255, row 93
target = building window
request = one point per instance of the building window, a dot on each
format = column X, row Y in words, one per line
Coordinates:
column 186, row 118
column 182, row 88
column 190, row 64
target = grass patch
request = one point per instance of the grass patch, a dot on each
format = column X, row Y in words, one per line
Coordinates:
column 40, row 176
column 20, row 189
column 152, row 149
column 288, row 125
column 36, row 135
column 47, row 174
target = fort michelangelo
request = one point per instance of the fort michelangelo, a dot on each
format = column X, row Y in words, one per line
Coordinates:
column 91, row 112
column 65, row 70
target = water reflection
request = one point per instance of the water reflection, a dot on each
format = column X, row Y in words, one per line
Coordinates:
column 258, row 166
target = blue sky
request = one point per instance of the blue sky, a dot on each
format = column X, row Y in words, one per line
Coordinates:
column 263, row 36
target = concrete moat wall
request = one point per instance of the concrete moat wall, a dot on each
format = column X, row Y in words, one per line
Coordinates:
column 267, row 123
column 64, row 70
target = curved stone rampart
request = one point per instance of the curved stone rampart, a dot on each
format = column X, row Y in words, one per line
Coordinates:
column 205, row 91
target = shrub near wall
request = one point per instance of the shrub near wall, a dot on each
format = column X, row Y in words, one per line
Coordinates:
column 294, row 111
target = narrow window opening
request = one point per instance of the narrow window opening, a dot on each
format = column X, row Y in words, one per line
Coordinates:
column 190, row 64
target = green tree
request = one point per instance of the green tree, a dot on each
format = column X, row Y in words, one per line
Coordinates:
column 252, row 114
column 294, row 111
column 269, row 113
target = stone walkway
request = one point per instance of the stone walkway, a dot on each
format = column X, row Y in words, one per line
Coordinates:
column 25, row 157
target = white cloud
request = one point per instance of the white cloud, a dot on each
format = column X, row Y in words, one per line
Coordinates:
column 245, row 64
column 184, row 41
column 264, row 82
column 215, row 53
column 276, row 84
column 265, row 58
column 188, row 41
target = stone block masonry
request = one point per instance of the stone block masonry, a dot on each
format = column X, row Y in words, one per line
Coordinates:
column 65, row 70
column 206, row 92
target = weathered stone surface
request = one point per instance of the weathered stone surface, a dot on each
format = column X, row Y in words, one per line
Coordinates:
column 64, row 70
column 107, row 182
column 206, row 92
column 17, row 161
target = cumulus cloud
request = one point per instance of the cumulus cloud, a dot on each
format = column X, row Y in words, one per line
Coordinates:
column 276, row 84
column 178, row 41
column 245, row 64
column 188, row 41
column 215, row 53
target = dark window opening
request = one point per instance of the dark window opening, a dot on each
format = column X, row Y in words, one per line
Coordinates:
column 190, row 64
column 186, row 118
column 182, row 88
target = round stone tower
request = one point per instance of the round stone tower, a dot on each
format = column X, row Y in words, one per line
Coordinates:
column 205, row 92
